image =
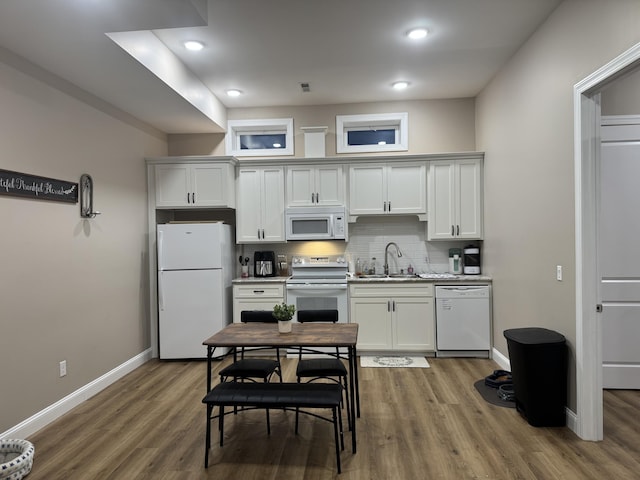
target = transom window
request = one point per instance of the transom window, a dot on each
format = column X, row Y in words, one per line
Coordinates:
column 385, row 132
column 257, row 141
column 266, row 137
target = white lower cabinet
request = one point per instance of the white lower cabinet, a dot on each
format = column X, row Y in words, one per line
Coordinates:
column 393, row 317
column 256, row 296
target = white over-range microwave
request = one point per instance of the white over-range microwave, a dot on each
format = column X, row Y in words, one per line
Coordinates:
column 316, row 223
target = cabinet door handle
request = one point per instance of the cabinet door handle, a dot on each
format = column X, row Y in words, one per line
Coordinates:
column 384, row 207
column 453, row 232
column 312, row 199
column 388, row 305
column 457, row 230
column 188, row 197
column 317, row 197
column 263, row 233
column 393, row 305
column 193, row 197
column 258, row 291
column 389, row 206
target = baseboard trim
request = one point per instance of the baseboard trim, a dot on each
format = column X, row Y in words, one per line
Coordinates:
column 44, row 417
column 501, row 360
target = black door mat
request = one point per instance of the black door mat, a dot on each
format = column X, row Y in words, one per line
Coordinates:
column 491, row 395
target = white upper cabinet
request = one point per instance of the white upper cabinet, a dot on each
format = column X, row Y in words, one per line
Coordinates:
column 260, row 205
column 390, row 188
column 193, row 185
column 314, row 185
column 455, row 200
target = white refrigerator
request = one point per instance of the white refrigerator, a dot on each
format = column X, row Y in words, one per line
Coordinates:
column 195, row 270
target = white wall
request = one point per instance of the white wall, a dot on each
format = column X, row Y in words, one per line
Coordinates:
column 622, row 97
column 435, row 126
column 524, row 122
column 71, row 289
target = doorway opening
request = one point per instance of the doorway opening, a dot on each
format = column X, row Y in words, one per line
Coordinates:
column 587, row 119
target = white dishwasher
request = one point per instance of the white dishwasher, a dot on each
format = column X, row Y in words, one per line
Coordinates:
column 463, row 321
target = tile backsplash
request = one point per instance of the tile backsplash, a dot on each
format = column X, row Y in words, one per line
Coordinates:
column 368, row 238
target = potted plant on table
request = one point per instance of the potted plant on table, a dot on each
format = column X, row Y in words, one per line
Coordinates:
column 284, row 313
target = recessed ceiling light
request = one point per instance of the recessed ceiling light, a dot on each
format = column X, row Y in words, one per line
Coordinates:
column 234, row 93
column 417, row 33
column 400, row 85
column 193, row 45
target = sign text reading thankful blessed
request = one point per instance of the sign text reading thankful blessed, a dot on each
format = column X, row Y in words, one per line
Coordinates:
column 30, row 186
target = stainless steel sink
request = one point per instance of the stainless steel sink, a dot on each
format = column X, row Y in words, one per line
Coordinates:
column 402, row 275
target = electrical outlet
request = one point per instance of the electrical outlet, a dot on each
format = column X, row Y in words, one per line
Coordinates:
column 63, row 368
column 559, row 273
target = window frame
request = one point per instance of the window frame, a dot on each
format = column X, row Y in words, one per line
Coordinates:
column 399, row 122
column 236, row 128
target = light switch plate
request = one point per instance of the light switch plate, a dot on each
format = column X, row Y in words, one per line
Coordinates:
column 559, row 273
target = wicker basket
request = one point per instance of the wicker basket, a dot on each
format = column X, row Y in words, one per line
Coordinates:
column 16, row 457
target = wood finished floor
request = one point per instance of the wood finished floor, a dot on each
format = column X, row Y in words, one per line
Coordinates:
column 415, row 424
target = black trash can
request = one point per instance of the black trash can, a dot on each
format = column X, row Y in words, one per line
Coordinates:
column 539, row 368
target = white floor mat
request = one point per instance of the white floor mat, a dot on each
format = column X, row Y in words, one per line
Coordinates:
column 394, row 361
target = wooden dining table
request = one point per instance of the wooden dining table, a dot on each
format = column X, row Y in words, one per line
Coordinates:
column 307, row 335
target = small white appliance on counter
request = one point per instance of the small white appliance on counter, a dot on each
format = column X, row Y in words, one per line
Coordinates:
column 463, row 321
column 195, row 271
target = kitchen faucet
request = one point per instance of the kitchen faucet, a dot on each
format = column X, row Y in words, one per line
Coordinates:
column 386, row 254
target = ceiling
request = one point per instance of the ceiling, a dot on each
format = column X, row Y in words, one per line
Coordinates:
column 129, row 53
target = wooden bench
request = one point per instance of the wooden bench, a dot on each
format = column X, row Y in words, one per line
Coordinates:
column 275, row 396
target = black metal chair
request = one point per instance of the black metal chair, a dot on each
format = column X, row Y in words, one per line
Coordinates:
column 330, row 366
column 252, row 368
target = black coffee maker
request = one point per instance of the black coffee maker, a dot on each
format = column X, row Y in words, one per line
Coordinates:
column 471, row 260
column 264, row 264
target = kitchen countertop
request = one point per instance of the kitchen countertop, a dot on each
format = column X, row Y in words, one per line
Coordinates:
column 457, row 280
column 260, row 280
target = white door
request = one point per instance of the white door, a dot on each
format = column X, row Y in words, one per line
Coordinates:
column 619, row 255
column 209, row 185
column 172, row 185
column 248, row 205
column 189, row 246
column 190, row 310
column 442, row 208
column 368, row 187
column 469, row 199
column 329, row 185
column 407, row 188
column 273, row 204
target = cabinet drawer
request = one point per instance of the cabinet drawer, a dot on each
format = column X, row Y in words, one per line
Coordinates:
column 258, row 290
column 391, row 290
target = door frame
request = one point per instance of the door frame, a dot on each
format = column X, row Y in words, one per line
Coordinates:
column 586, row 96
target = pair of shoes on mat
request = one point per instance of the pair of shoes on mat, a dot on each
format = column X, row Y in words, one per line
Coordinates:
column 506, row 392
column 498, row 378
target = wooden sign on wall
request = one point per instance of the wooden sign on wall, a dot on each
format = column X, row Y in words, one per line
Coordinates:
column 31, row 186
